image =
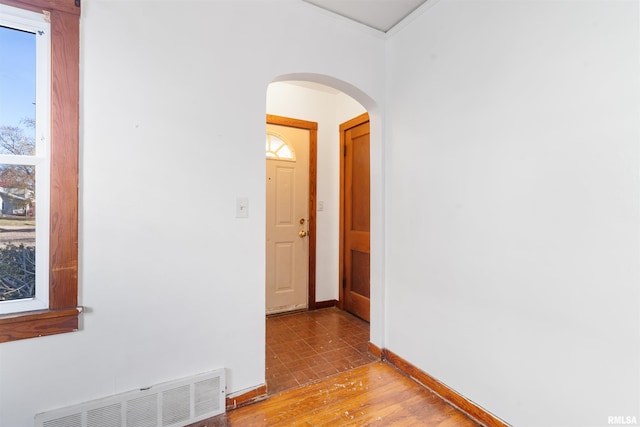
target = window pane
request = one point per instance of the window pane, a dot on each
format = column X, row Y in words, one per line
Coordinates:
column 285, row 153
column 17, row 232
column 276, row 143
column 27, row 79
column 17, row 91
column 277, row 148
column 17, row 181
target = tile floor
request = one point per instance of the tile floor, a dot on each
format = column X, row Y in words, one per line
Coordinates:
column 312, row 345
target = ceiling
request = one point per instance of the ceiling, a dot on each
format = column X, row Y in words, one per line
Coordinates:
column 379, row 14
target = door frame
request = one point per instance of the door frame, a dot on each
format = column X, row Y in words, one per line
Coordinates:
column 362, row 118
column 312, row 127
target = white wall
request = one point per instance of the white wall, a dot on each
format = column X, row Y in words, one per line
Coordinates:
column 511, row 182
column 172, row 109
column 329, row 109
column 512, row 205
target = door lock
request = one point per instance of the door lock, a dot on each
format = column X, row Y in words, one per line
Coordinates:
column 301, row 221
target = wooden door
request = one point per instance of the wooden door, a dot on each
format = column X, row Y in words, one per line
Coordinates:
column 287, row 218
column 355, row 189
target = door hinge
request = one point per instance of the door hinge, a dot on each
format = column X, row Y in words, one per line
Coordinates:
column 344, row 282
column 344, row 151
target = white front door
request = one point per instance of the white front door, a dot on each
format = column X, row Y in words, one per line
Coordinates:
column 287, row 218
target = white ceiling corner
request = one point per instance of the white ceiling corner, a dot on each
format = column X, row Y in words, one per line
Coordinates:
column 381, row 15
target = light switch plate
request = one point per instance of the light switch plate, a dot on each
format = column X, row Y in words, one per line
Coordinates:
column 242, row 207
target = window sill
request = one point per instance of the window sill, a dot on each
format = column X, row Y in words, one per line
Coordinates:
column 33, row 324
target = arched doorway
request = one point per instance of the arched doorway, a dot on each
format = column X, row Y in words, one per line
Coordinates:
column 331, row 102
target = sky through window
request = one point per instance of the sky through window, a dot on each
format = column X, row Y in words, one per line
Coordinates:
column 17, row 77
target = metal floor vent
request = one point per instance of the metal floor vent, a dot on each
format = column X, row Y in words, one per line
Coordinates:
column 171, row 404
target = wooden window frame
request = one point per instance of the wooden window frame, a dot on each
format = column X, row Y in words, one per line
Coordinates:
column 63, row 312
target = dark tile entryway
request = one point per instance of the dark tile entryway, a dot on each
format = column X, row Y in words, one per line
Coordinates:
column 305, row 347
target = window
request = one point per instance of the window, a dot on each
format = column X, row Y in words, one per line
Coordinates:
column 44, row 162
column 278, row 148
column 24, row 160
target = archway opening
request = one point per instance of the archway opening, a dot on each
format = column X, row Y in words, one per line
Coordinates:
column 331, row 102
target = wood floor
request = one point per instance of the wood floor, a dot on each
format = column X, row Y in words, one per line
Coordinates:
column 319, row 373
column 375, row 394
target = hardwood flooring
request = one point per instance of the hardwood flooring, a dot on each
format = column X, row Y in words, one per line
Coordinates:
column 319, row 372
column 375, row 394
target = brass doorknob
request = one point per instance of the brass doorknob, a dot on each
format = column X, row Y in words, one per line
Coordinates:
column 302, row 233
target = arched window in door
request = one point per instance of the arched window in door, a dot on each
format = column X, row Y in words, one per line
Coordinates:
column 278, row 148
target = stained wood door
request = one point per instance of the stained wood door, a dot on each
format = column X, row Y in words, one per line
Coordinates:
column 355, row 239
column 287, row 218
